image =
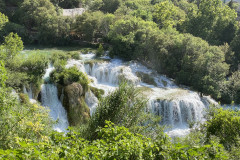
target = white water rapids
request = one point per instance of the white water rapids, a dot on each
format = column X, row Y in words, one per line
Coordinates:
column 176, row 106
column 49, row 98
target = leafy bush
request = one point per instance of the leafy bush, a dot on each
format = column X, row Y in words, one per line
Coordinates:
column 64, row 56
column 114, row 143
column 97, row 92
column 100, row 50
column 25, row 70
column 21, row 121
column 224, row 124
column 124, row 107
column 70, row 75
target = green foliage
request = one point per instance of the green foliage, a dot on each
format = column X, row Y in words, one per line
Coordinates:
column 12, row 46
column 41, row 17
column 14, row 2
column 3, row 76
column 166, row 14
column 24, row 98
column 64, row 56
column 15, row 28
column 146, row 78
column 2, row 6
column 100, row 51
column 97, row 92
column 114, row 142
column 21, row 121
column 106, row 6
column 3, row 20
column 213, row 22
column 68, row 3
column 188, row 59
column 225, row 125
column 70, row 75
column 89, row 24
column 236, row 47
column 231, row 89
column 124, row 34
column 25, row 70
column 115, row 108
column 37, row 12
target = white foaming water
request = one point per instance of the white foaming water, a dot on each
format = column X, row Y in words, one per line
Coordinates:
column 76, row 63
column 91, row 101
column 57, row 112
column 28, row 91
column 176, row 106
column 49, row 98
column 111, row 73
column 47, row 73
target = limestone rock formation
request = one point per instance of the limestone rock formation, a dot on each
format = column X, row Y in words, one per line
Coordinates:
column 74, row 103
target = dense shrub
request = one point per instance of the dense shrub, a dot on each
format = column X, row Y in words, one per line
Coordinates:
column 21, row 121
column 24, row 70
column 70, row 75
column 225, row 125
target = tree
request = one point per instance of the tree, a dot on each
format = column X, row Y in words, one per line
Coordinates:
column 14, row 2
column 106, row 6
column 213, row 22
column 123, row 107
column 3, row 74
column 88, row 25
column 11, row 46
column 3, row 20
column 69, row 3
column 100, row 50
column 225, row 125
column 2, row 6
column 166, row 14
column 236, row 47
column 125, row 32
column 35, row 13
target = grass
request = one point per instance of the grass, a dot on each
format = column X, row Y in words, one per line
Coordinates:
column 64, row 49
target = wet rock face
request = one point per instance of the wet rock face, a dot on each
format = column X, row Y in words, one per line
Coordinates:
column 74, row 103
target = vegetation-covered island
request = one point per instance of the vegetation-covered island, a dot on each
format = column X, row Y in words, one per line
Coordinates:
column 120, row 79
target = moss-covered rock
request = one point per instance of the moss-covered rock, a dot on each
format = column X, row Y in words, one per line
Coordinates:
column 73, row 101
column 146, row 78
column 97, row 92
column 24, row 98
column 68, row 76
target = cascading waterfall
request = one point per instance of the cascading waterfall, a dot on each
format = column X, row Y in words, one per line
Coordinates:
column 111, row 73
column 91, row 101
column 57, row 112
column 180, row 111
column 49, row 98
column 176, row 106
column 28, row 91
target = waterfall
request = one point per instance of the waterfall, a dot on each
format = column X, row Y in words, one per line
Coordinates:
column 111, row 73
column 28, row 91
column 57, row 112
column 49, row 98
column 179, row 111
column 177, row 106
column 91, row 101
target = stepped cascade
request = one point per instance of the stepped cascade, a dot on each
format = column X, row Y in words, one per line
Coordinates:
column 177, row 106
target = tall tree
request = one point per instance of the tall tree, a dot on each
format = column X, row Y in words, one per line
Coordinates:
column 213, row 22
